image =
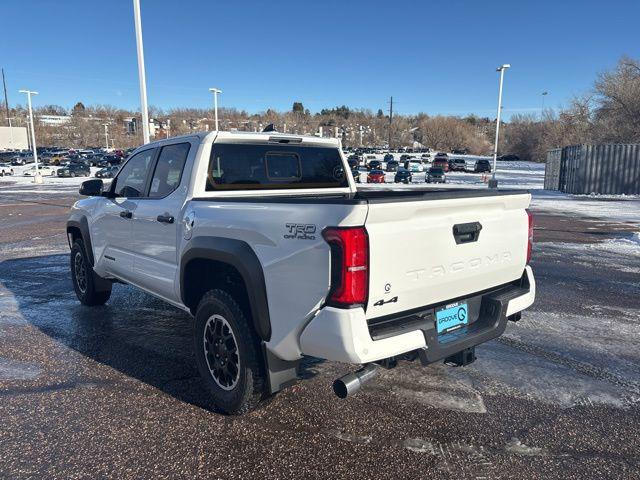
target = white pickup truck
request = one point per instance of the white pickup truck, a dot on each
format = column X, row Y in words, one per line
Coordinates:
column 266, row 240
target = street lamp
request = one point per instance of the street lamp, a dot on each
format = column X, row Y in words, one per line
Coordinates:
column 106, row 135
column 10, row 131
column 141, row 73
column 215, row 92
column 493, row 183
column 37, row 178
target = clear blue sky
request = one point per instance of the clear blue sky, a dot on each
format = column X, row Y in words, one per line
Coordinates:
column 432, row 56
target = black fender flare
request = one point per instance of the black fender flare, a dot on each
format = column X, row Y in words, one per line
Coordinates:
column 82, row 224
column 241, row 256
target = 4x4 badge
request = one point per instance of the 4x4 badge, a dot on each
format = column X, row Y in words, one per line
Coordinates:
column 379, row 303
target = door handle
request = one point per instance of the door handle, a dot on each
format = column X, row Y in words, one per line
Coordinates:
column 126, row 214
column 466, row 232
column 165, row 218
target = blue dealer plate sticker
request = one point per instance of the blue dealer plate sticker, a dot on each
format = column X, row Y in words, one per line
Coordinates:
column 451, row 317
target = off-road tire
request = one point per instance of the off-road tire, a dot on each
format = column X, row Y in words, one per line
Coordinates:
column 251, row 384
column 84, row 283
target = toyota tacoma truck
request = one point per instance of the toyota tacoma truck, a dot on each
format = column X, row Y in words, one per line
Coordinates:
column 265, row 239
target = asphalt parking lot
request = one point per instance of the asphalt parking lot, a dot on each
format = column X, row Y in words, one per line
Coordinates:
column 113, row 391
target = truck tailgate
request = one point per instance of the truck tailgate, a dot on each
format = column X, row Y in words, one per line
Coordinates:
column 428, row 251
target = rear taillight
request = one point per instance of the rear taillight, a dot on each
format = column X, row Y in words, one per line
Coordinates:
column 349, row 265
column 530, row 236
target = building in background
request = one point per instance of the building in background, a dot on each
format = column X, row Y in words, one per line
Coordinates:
column 13, row 138
column 54, row 120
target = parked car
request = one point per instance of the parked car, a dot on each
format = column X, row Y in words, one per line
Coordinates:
column 459, row 151
column 392, row 165
column 435, row 175
column 57, row 158
column 85, row 153
column 109, row 161
column 375, row 176
column 457, row 165
column 22, row 159
column 5, row 169
column 389, row 158
column 510, row 157
column 415, row 166
column 44, row 170
column 107, row 172
column 74, row 169
column 403, row 176
column 254, row 320
column 405, row 157
column 442, row 163
column 355, row 158
column 95, row 159
column 374, row 165
column 426, row 157
column 482, row 166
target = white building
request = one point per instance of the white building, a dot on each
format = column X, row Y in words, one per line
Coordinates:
column 13, row 138
column 54, row 120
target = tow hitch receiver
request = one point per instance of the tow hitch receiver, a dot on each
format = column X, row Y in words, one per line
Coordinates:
column 462, row 358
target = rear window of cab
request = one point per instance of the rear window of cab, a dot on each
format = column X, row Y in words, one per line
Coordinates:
column 262, row 167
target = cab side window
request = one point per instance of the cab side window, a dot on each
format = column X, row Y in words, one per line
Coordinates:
column 132, row 178
column 168, row 171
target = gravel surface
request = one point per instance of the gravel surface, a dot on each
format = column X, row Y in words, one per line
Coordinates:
column 113, row 391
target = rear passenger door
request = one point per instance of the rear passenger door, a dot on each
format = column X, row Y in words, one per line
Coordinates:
column 156, row 222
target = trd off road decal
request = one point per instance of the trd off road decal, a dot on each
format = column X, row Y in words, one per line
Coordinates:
column 300, row 231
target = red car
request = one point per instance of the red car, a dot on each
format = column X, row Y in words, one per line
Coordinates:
column 442, row 163
column 375, row 176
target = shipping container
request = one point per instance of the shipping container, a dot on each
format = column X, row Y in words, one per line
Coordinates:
column 552, row 169
column 603, row 169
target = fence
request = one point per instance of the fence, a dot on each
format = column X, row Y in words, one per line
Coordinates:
column 552, row 170
column 584, row 169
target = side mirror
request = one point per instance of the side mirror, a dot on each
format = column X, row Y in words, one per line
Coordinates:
column 91, row 188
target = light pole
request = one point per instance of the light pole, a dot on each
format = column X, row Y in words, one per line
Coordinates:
column 215, row 92
column 37, row 178
column 28, row 132
column 10, row 131
column 106, row 135
column 141, row 73
column 544, row 94
column 493, row 183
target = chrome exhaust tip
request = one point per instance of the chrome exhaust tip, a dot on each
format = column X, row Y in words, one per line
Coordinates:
column 349, row 384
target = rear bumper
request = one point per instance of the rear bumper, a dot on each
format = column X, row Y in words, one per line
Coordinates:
column 343, row 335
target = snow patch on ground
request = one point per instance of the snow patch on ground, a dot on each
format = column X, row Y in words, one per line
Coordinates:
column 420, row 445
column 519, row 448
column 621, row 253
column 444, row 399
column 620, row 208
column 14, row 370
column 436, row 389
column 351, row 438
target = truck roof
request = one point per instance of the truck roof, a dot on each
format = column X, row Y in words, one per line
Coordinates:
column 255, row 137
column 278, row 137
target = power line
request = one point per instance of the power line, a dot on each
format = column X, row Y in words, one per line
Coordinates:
column 6, row 99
